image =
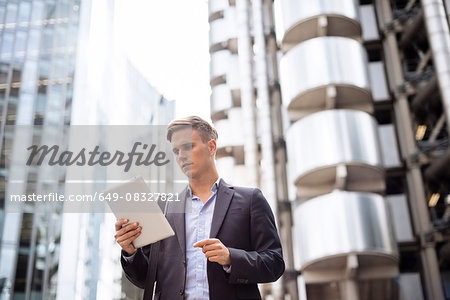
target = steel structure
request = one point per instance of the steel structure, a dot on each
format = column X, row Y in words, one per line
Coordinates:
column 364, row 121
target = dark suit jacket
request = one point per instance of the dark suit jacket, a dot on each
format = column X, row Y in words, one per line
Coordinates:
column 244, row 222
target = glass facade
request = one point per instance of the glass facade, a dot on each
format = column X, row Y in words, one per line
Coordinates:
column 37, row 60
column 60, row 65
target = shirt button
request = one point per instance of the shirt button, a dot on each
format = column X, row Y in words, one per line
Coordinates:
column 199, row 284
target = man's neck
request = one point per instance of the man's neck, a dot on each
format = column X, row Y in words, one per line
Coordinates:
column 202, row 186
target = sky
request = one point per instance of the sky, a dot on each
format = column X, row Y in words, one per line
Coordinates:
column 167, row 40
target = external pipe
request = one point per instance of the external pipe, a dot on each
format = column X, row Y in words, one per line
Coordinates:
column 439, row 37
column 447, row 10
column 284, row 215
column 424, row 94
column 268, row 180
column 264, row 107
column 247, row 93
column 438, row 170
column 411, row 30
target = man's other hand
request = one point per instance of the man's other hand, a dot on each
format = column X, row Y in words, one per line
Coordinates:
column 126, row 235
column 215, row 251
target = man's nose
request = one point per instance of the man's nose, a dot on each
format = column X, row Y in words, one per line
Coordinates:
column 182, row 155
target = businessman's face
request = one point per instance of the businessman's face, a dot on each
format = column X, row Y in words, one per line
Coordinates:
column 193, row 155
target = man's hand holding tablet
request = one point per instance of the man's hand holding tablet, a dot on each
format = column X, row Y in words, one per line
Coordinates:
column 138, row 223
column 125, row 235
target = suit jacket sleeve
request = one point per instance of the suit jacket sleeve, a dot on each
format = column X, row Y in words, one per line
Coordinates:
column 136, row 270
column 265, row 263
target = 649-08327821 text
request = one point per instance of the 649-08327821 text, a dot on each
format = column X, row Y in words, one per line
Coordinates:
column 102, row 197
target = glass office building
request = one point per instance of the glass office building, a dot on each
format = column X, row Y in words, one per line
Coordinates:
column 37, row 59
column 51, row 74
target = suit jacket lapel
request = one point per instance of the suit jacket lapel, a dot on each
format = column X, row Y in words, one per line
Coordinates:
column 178, row 217
column 224, row 195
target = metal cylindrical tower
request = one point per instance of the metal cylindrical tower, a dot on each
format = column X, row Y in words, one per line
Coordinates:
column 334, row 153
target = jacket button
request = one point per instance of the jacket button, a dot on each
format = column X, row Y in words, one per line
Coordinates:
column 181, row 292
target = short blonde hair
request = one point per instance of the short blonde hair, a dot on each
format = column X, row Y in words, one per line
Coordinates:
column 206, row 131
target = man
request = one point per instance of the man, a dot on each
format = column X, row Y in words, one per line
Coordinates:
column 225, row 239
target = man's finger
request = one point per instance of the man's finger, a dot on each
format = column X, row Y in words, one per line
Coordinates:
column 120, row 222
column 128, row 241
column 127, row 228
column 210, row 247
column 214, row 259
column 213, row 253
column 128, row 234
column 205, row 242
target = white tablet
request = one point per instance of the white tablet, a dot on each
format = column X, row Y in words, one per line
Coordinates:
column 134, row 201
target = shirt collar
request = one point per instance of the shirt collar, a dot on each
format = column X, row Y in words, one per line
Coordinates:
column 214, row 187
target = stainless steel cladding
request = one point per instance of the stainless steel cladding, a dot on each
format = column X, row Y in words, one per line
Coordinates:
column 299, row 20
column 368, row 23
column 378, row 81
column 224, row 83
column 389, row 146
column 223, row 31
column 217, row 6
column 323, row 144
column 225, row 69
column 325, row 72
column 231, row 138
column 334, row 227
column 221, row 101
column 439, row 37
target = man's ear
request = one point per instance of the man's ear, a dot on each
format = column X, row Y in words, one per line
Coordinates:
column 212, row 147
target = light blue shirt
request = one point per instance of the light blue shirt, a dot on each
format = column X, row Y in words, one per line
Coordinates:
column 198, row 226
